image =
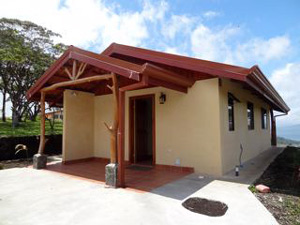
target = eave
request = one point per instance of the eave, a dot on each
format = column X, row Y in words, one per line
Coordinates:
column 252, row 77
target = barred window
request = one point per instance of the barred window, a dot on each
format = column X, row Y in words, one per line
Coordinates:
column 231, row 113
column 250, row 115
column 264, row 118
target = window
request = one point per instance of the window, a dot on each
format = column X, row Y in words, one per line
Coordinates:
column 250, row 115
column 264, row 118
column 231, row 113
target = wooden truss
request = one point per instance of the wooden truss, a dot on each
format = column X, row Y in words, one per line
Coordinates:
column 74, row 80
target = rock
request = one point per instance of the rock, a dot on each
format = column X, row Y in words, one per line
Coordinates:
column 262, row 188
column 111, row 172
column 39, row 161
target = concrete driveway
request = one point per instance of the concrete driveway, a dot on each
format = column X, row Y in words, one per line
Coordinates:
column 30, row 196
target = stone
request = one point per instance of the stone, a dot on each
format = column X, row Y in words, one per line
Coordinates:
column 111, row 175
column 39, row 161
column 262, row 188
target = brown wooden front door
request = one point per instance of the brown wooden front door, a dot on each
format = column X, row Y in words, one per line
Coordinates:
column 142, row 130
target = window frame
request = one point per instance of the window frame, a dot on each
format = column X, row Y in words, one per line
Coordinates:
column 264, row 119
column 250, row 115
column 230, row 103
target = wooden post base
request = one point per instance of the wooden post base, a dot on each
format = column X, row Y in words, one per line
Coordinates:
column 39, row 161
column 111, row 175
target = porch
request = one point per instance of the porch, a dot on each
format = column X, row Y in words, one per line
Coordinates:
column 92, row 89
column 141, row 178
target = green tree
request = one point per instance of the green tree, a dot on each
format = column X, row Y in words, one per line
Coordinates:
column 3, row 90
column 26, row 51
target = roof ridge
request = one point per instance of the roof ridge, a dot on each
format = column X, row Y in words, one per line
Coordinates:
column 113, row 45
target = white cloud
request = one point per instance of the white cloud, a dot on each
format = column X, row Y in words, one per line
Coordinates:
column 286, row 80
column 154, row 12
column 211, row 14
column 95, row 24
column 221, row 45
column 213, row 44
column 175, row 50
column 177, row 24
column 264, row 50
column 88, row 23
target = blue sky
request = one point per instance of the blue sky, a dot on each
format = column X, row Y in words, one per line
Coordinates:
column 244, row 33
column 253, row 19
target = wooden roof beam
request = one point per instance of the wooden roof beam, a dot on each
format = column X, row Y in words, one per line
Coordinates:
column 77, row 82
column 166, row 75
column 161, row 83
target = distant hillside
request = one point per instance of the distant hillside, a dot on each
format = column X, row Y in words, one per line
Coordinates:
column 285, row 141
column 289, row 132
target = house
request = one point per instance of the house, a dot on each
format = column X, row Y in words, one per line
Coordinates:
column 57, row 115
column 171, row 110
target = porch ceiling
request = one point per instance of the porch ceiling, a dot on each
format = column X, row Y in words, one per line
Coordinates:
column 129, row 73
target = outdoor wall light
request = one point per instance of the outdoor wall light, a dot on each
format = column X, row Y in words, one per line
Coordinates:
column 162, row 98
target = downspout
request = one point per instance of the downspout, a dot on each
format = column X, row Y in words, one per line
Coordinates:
column 283, row 114
column 275, row 116
column 273, row 128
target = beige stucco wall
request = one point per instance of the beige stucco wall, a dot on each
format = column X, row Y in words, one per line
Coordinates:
column 103, row 112
column 78, row 130
column 191, row 128
column 187, row 126
column 253, row 141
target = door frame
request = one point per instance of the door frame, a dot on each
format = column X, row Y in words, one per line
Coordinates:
column 131, row 127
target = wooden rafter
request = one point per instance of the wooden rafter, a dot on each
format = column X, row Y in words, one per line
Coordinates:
column 76, row 82
column 80, row 70
column 68, row 72
column 75, row 73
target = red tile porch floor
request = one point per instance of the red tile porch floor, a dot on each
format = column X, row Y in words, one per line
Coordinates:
column 143, row 180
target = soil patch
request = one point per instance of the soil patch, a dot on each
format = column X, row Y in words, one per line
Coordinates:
column 282, row 175
column 205, row 206
column 283, row 178
column 7, row 164
column 285, row 208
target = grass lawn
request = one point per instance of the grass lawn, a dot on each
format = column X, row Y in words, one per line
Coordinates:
column 28, row 128
column 283, row 178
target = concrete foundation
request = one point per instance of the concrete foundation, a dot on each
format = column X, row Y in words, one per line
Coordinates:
column 39, row 161
column 111, row 175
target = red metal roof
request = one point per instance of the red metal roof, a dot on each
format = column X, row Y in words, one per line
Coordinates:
column 252, row 77
column 161, row 69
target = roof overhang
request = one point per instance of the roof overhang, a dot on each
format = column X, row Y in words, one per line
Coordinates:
column 154, row 68
column 130, row 73
column 106, row 63
column 253, row 78
column 260, row 83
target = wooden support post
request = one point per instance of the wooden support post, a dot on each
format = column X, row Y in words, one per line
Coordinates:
column 42, row 135
column 114, row 128
column 121, row 134
column 121, row 131
column 273, row 129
